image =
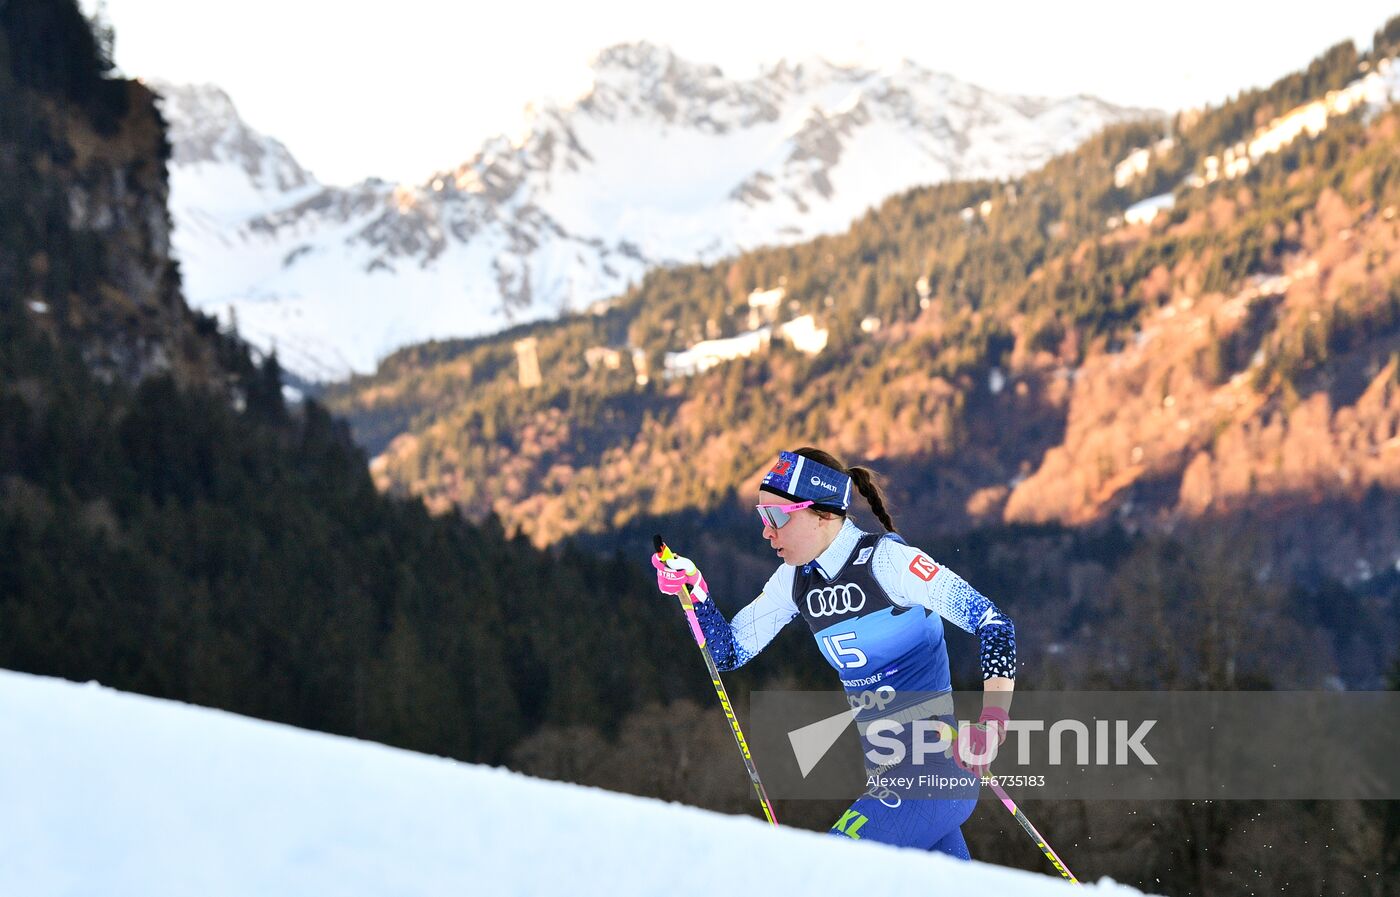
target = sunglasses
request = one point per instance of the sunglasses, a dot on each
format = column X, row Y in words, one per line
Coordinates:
column 777, row 516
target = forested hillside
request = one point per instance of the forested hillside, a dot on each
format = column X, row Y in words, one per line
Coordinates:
column 1016, row 351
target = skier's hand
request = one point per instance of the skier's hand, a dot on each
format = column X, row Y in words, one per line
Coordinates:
column 676, row 572
column 976, row 748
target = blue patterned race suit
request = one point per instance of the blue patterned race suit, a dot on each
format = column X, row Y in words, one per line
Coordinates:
column 876, row 607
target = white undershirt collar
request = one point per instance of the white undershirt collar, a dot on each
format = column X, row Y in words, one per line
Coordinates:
column 830, row 562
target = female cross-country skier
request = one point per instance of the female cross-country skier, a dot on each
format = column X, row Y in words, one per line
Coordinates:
column 876, row 607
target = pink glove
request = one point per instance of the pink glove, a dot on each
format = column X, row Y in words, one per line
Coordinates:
column 677, row 572
column 977, row 746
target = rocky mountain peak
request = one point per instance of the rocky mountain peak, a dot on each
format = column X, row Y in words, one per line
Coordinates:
column 204, row 126
column 650, row 83
column 648, row 62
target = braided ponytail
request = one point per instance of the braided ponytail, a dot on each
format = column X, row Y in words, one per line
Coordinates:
column 862, row 477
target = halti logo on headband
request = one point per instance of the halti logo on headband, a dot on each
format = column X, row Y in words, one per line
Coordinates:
column 818, row 481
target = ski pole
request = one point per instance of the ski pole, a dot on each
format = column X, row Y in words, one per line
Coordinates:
column 1031, row 830
column 689, row 607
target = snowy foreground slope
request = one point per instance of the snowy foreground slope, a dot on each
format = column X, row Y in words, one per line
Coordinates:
column 110, row 793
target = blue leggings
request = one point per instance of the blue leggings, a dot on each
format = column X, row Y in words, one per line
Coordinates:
column 928, row 824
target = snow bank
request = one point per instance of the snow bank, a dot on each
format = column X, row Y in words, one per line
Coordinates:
column 116, row 794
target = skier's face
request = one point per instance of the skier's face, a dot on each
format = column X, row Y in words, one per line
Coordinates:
column 803, row 537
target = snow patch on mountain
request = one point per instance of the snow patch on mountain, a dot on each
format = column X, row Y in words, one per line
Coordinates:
column 1373, row 91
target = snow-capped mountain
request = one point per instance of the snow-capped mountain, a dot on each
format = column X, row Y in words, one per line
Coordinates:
column 661, row 161
column 220, row 167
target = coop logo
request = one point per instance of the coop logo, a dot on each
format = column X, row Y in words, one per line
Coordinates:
column 779, row 470
column 833, row 601
column 871, row 700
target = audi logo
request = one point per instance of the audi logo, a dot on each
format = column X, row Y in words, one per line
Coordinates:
column 833, row 601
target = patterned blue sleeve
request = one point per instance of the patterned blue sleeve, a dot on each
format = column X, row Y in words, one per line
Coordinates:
column 719, row 637
column 997, row 635
column 919, row 580
column 735, row 644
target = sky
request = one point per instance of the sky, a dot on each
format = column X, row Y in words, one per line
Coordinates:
column 400, row 90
